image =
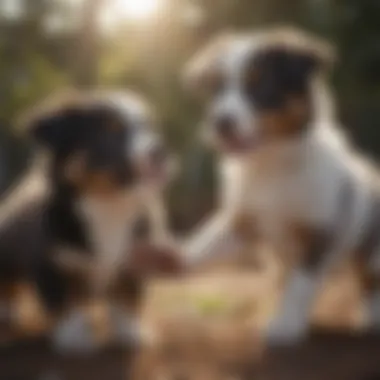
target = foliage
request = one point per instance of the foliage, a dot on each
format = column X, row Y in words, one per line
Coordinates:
column 148, row 56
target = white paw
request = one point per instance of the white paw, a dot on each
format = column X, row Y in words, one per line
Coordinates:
column 128, row 331
column 286, row 333
column 74, row 334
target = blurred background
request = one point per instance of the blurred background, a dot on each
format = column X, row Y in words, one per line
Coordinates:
column 49, row 45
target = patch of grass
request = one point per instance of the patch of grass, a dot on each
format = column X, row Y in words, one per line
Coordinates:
column 211, row 305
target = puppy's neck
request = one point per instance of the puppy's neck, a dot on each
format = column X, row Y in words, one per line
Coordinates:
column 279, row 156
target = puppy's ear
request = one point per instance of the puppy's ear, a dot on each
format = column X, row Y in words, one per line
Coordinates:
column 203, row 70
column 305, row 54
column 51, row 124
column 49, row 131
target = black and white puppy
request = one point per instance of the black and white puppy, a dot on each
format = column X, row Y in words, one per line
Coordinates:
column 104, row 168
column 286, row 166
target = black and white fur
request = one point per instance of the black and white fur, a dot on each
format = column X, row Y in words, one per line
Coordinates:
column 285, row 163
column 103, row 168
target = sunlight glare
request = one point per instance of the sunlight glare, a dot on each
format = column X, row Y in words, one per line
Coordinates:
column 137, row 9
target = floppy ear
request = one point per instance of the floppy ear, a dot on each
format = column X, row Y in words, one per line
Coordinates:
column 305, row 64
column 51, row 125
column 295, row 66
column 49, row 131
column 307, row 54
column 201, row 71
column 296, row 57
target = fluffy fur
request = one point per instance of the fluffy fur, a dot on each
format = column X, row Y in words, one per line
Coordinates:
column 286, row 165
column 70, row 226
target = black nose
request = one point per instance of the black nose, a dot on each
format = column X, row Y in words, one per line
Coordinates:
column 225, row 126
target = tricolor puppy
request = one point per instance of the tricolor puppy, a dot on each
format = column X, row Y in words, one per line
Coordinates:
column 286, row 166
column 104, row 167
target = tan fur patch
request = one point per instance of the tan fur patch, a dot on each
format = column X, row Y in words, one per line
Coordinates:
column 74, row 169
column 98, row 183
column 286, row 121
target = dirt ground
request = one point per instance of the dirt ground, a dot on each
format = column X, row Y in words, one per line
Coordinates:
column 208, row 327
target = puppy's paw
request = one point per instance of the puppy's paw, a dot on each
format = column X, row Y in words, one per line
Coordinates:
column 74, row 335
column 132, row 332
column 151, row 259
column 286, row 333
column 129, row 332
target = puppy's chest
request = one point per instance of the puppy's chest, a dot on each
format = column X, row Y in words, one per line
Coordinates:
column 277, row 200
column 109, row 228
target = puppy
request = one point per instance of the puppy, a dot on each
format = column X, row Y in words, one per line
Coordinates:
column 69, row 227
column 286, row 167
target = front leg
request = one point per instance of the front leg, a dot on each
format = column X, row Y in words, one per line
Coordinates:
column 217, row 238
column 64, row 292
column 291, row 323
column 126, row 298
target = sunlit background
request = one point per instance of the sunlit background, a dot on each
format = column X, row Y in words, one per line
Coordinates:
column 47, row 45
column 138, row 10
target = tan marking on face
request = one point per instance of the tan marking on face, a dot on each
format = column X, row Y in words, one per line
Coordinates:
column 99, row 183
column 96, row 183
column 286, row 121
column 74, row 169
